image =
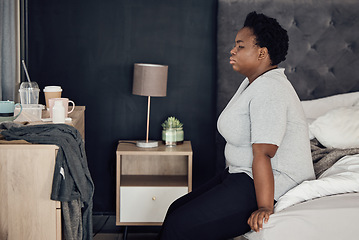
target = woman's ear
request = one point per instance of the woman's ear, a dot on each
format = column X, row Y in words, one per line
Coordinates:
column 263, row 53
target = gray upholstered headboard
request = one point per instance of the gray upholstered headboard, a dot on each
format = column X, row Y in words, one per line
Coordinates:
column 323, row 56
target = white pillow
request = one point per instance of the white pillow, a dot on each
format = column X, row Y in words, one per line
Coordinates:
column 338, row 128
column 318, row 107
column 310, row 121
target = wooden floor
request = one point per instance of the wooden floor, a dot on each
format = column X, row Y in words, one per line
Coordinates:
column 104, row 228
column 133, row 236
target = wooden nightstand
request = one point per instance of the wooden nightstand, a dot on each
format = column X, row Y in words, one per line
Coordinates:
column 149, row 180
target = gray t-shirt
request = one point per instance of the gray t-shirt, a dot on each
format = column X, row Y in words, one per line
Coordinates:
column 268, row 111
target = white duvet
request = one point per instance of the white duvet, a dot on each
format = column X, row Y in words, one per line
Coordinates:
column 342, row 177
column 313, row 219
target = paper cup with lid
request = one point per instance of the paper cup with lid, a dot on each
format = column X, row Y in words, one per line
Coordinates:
column 52, row 92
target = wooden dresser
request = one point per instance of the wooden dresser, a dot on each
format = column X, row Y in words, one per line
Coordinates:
column 26, row 173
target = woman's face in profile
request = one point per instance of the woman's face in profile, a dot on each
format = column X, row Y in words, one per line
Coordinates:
column 245, row 53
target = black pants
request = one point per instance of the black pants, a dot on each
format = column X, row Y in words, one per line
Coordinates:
column 218, row 210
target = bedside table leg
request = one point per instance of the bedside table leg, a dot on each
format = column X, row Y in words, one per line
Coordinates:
column 124, row 237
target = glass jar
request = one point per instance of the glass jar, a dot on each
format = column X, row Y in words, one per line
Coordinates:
column 172, row 136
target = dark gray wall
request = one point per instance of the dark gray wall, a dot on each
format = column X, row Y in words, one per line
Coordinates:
column 89, row 48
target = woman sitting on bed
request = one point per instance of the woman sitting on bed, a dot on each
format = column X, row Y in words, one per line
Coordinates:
column 267, row 149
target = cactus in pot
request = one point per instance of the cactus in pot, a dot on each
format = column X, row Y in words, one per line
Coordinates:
column 171, row 122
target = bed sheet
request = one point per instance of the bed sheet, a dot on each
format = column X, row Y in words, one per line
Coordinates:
column 328, row 218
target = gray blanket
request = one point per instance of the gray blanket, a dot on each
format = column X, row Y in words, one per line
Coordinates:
column 72, row 182
column 324, row 158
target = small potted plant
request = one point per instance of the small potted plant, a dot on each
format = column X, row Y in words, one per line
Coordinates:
column 172, row 132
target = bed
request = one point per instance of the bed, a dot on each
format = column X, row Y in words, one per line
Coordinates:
column 323, row 66
column 328, row 207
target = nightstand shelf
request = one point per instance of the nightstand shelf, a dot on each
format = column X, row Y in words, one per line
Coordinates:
column 149, row 180
column 152, row 180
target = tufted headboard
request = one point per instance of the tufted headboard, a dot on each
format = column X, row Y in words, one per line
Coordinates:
column 323, row 56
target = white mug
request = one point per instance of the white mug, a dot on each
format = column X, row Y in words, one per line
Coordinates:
column 65, row 102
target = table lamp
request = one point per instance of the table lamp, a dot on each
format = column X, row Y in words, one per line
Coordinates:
column 149, row 80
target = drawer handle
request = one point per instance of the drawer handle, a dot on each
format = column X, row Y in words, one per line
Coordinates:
column 154, row 198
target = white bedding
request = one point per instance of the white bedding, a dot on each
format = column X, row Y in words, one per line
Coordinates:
column 328, row 218
column 342, row 177
column 306, row 211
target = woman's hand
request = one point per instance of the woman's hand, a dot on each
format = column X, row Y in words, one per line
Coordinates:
column 255, row 221
column 263, row 183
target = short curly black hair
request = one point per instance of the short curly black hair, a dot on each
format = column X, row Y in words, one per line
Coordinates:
column 269, row 34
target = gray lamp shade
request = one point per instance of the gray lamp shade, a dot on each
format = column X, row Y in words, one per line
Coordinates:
column 150, row 80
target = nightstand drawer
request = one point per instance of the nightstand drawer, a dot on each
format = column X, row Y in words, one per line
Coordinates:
column 147, row 204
